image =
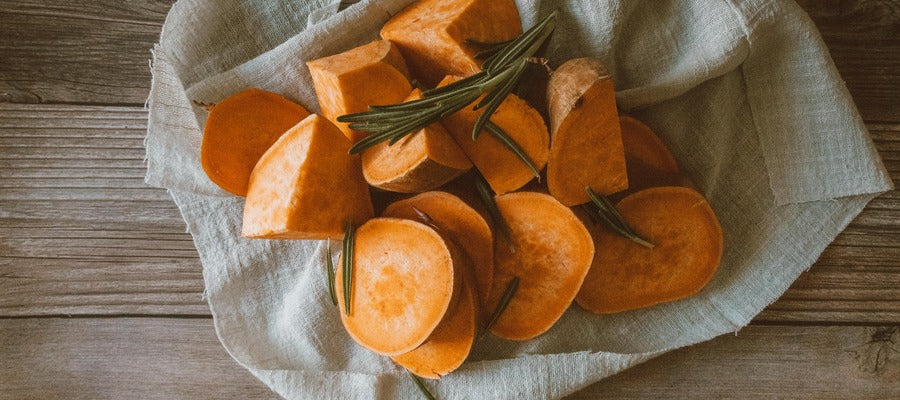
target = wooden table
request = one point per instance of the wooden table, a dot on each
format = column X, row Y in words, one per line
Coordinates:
column 101, row 289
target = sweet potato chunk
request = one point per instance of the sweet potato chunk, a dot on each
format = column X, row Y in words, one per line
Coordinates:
column 500, row 167
column 404, row 278
column 239, row 130
column 553, row 252
column 585, row 139
column 688, row 247
column 306, row 186
column 449, row 345
column 432, row 34
column 349, row 82
column 461, row 223
column 419, row 162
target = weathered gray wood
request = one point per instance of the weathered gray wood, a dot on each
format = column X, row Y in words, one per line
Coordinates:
column 166, row 358
column 71, row 52
column 80, row 233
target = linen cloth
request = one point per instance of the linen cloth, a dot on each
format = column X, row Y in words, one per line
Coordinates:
column 743, row 92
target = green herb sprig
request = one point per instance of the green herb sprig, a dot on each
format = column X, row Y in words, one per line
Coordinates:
column 613, row 220
column 421, row 386
column 329, row 271
column 500, row 225
column 508, row 294
column 501, row 72
column 347, row 265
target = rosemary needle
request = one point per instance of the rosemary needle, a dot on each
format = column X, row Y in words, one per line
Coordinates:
column 347, row 271
column 421, row 386
column 487, row 197
column 329, row 267
column 514, row 147
column 613, row 220
column 510, row 291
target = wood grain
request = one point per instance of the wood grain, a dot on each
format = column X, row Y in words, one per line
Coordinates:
column 72, row 52
column 81, row 234
column 167, row 358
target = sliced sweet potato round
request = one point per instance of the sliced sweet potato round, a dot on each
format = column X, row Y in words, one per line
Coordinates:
column 688, row 247
column 585, row 139
column 420, row 162
column 449, row 345
column 239, row 130
column 463, row 224
column 306, row 186
column 553, row 251
column 644, row 145
column 404, row 279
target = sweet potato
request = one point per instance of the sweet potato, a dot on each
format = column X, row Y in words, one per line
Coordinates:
column 500, row 167
column 433, row 34
column 404, row 278
column 585, row 140
column 688, row 247
column 306, row 186
column 420, row 162
column 449, row 345
column 463, row 224
column 349, row 82
column 239, row 130
column 553, row 251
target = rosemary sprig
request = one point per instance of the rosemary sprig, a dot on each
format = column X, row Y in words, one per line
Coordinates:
column 487, row 197
column 613, row 220
column 347, row 271
column 514, row 147
column 487, row 48
column 329, row 269
column 501, row 72
column 510, row 291
column 421, row 386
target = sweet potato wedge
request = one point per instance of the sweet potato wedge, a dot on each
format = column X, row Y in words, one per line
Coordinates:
column 585, row 140
column 349, row 82
column 306, row 186
column 239, row 130
column 688, row 247
column 404, row 278
column 553, row 251
column 419, row 162
column 649, row 161
column 461, row 223
column 449, row 345
column 433, row 34
column 500, row 167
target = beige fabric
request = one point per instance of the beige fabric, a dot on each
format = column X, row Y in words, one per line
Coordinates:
column 744, row 92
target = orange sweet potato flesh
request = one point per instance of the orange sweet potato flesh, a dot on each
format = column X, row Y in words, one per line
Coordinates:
column 449, row 345
column 649, row 161
column 501, row 168
column 417, row 163
column 239, row 130
column 349, row 82
column 306, row 186
column 553, row 251
column 461, row 223
column 404, row 281
column 432, row 34
column 688, row 239
column 586, row 143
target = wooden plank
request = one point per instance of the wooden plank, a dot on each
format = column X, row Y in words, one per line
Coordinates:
column 164, row 358
column 80, row 233
column 98, row 52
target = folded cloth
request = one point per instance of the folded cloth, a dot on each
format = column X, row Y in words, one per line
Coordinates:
column 743, row 92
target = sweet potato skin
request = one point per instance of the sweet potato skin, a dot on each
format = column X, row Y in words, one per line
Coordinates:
column 449, row 345
column 501, row 168
column 404, row 282
column 688, row 239
column 306, row 186
column 417, row 163
column 586, row 144
column 432, row 34
column 553, row 251
column 350, row 82
column 462, row 223
column 239, row 130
